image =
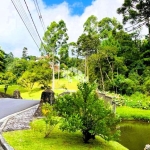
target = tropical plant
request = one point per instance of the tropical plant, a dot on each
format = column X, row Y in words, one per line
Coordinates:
column 84, row 111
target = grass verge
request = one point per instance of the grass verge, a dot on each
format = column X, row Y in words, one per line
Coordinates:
column 58, row 140
column 128, row 113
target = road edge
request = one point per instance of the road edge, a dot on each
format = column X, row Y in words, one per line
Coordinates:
column 4, row 121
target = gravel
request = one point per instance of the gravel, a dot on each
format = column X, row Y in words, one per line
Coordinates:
column 20, row 121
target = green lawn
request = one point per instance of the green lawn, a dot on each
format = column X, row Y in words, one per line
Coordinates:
column 36, row 91
column 128, row 113
column 58, row 140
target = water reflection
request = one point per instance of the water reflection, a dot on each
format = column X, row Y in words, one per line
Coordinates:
column 135, row 135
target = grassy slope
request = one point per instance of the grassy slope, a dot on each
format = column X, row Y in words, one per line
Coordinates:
column 36, row 91
column 27, row 139
column 58, row 140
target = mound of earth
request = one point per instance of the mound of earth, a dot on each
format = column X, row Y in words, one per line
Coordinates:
column 4, row 95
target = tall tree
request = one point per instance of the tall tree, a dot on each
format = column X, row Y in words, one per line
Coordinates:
column 2, row 60
column 108, row 27
column 87, row 45
column 136, row 12
column 55, row 39
column 89, row 41
column 24, row 53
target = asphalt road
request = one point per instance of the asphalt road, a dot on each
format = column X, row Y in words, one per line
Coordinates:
column 9, row 106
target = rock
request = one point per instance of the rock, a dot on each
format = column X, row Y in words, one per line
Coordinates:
column 47, row 96
column 21, row 120
column 16, row 94
column 147, row 147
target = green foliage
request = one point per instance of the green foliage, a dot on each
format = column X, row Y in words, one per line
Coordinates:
column 27, row 80
column 47, row 124
column 49, row 118
column 133, row 11
column 108, row 26
column 2, row 60
column 38, row 126
column 7, row 78
column 55, row 40
column 84, row 111
column 18, row 66
column 138, row 100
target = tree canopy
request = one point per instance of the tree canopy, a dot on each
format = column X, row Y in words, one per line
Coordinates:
column 84, row 111
column 136, row 12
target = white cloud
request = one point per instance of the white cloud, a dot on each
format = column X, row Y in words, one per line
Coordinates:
column 14, row 35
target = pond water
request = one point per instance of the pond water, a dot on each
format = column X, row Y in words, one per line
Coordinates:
column 135, row 135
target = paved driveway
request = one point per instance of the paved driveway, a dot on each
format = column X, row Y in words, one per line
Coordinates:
column 9, row 106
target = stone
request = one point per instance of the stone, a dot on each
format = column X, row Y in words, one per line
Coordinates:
column 16, row 94
column 147, row 147
column 47, row 96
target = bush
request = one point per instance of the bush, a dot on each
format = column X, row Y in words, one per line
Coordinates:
column 138, row 100
column 84, row 111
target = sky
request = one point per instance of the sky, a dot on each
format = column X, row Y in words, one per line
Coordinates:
column 14, row 36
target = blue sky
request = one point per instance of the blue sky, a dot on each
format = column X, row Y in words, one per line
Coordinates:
column 77, row 6
column 14, row 35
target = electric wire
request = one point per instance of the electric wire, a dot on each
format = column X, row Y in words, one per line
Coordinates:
column 39, row 14
column 27, row 20
column 33, row 21
column 21, row 16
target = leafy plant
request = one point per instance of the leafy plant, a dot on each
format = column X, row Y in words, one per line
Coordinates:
column 84, row 111
column 48, row 122
column 50, row 118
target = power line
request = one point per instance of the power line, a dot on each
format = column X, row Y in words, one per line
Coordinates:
column 33, row 21
column 15, row 5
column 39, row 14
column 27, row 20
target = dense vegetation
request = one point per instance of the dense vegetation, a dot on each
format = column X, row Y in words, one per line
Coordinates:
column 116, row 60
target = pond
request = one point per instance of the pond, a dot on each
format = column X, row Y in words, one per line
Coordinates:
column 135, row 135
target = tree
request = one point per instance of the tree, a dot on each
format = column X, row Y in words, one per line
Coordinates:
column 27, row 80
column 2, row 60
column 9, row 59
column 87, row 45
column 55, row 39
column 136, row 12
column 43, row 72
column 18, row 66
column 24, row 53
column 107, row 27
column 84, row 111
column 8, row 78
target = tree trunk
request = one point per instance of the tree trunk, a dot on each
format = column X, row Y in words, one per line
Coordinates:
column 102, row 79
column 87, row 136
column 53, row 83
column 87, row 69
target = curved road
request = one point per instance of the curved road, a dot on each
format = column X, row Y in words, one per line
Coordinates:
column 9, row 106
